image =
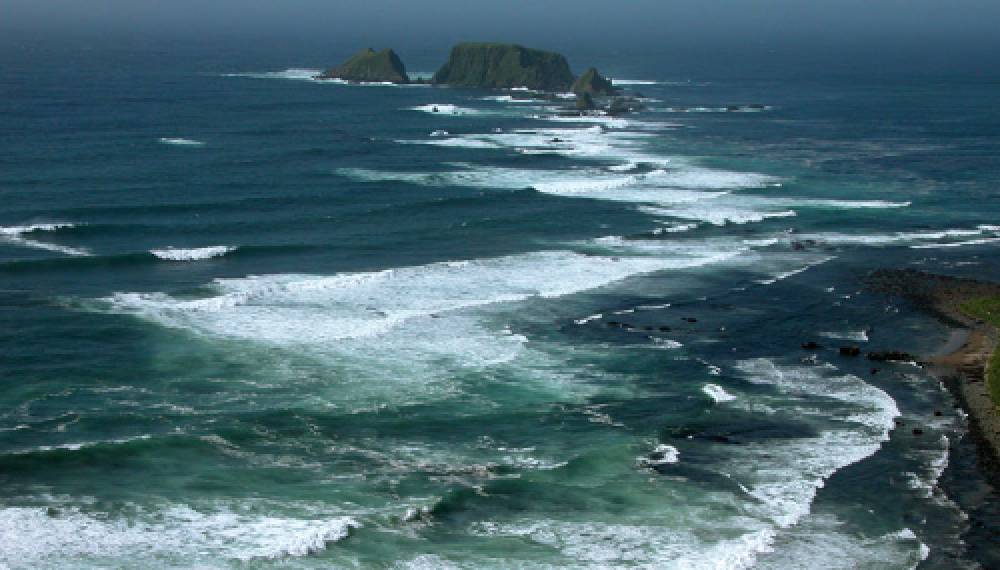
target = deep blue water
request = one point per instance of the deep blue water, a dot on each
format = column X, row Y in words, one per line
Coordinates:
column 448, row 328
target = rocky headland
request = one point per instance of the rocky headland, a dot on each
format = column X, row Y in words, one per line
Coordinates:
column 972, row 370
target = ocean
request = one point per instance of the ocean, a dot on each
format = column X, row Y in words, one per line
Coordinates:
column 255, row 320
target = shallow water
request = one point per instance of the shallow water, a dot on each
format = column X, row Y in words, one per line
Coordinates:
column 253, row 319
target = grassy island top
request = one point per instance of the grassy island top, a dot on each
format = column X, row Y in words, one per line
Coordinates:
column 504, row 66
column 987, row 309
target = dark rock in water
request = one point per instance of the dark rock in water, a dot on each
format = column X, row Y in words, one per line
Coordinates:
column 504, row 66
column 918, row 431
column 623, row 105
column 874, row 371
column 850, row 351
column 665, row 329
column 584, row 102
column 369, row 65
column 890, row 355
column 689, row 319
column 591, row 83
column 811, row 345
column 938, row 413
column 614, row 324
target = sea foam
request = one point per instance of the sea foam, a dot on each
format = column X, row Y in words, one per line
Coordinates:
column 193, row 254
column 34, row 537
column 15, row 235
column 180, row 141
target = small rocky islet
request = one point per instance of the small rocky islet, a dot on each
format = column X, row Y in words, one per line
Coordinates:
column 497, row 66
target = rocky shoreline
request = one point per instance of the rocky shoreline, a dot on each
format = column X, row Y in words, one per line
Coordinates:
column 963, row 363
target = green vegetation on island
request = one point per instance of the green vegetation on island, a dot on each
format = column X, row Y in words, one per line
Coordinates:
column 505, row 66
column 592, row 83
column 370, row 66
column 987, row 309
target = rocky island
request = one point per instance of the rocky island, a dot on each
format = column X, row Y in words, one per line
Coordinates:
column 505, row 66
column 370, row 66
column 593, row 84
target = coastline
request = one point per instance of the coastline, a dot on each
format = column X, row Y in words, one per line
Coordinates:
column 962, row 362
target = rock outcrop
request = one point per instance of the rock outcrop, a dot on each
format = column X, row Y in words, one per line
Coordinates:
column 370, row 66
column 505, row 66
column 592, row 83
column 584, row 102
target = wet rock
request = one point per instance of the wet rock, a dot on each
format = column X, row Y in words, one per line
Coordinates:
column 811, row 345
column 890, row 356
column 850, row 351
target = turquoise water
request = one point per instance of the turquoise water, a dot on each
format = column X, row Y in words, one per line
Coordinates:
column 254, row 320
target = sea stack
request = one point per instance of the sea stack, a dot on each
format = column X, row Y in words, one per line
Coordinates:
column 370, row 66
column 505, row 66
column 592, row 83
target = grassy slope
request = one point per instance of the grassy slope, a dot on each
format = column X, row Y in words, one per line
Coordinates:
column 988, row 309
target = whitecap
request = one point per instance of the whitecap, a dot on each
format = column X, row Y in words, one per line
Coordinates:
column 857, row 336
column 588, row 319
column 717, row 393
column 15, row 235
column 786, row 274
column 445, row 109
column 295, row 73
column 192, row 254
column 662, row 454
column 35, row 537
column 180, row 141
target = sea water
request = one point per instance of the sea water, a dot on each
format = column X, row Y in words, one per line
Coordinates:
column 255, row 319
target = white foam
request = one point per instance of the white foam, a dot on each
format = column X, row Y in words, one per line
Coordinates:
column 610, row 545
column 192, row 254
column 676, row 192
column 980, row 241
column 786, row 274
column 663, row 454
column 842, row 204
column 897, row 238
column 295, row 74
column 80, row 445
column 33, row 537
column 857, row 336
column 821, row 541
column 588, row 319
column 15, row 235
column 296, row 309
column 718, row 213
column 180, row 141
column 635, row 82
column 445, row 109
column 507, row 99
column 666, row 343
column 786, row 483
column 717, row 393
